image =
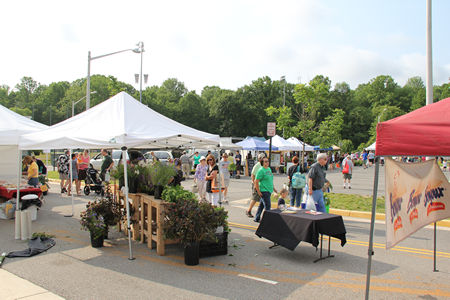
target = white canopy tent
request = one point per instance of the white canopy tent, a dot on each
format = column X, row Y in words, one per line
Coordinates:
column 299, row 143
column 284, row 145
column 119, row 122
column 371, row 147
column 12, row 126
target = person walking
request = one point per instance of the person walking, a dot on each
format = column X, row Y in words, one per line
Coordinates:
column 74, row 176
column 83, row 164
column 316, row 181
column 63, row 170
column 185, row 165
column 371, row 157
column 347, row 169
column 199, row 178
column 364, row 157
column 255, row 197
column 224, row 175
column 264, row 188
column 107, row 164
column 238, row 160
column 211, row 179
column 196, row 159
column 294, row 187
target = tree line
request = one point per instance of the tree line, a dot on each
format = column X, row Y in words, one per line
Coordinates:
column 315, row 112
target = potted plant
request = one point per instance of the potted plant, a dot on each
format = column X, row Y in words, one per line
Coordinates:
column 133, row 176
column 160, row 175
column 175, row 194
column 94, row 222
column 110, row 211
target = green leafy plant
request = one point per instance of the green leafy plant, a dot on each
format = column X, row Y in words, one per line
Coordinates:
column 42, row 235
column 192, row 221
column 161, row 174
column 92, row 221
column 232, row 167
column 109, row 210
column 176, row 194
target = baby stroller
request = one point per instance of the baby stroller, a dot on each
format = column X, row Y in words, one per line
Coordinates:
column 93, row 182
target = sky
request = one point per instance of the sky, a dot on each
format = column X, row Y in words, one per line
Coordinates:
column 223, row 43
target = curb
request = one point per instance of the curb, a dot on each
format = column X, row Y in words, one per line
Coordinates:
column 354, row 214
column 14, row 287
column 378, row 216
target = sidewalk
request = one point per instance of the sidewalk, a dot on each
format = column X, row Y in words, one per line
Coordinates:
column 14, row 287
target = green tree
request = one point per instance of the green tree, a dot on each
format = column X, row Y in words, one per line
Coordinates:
column 330, row 129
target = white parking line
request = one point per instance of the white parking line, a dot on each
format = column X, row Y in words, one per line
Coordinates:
column 258, row 279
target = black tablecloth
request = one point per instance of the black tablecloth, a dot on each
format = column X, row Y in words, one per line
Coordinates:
column 288, row 230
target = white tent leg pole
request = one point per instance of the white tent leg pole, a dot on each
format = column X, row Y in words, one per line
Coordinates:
column 18, row 218
column 127, row 204
column 372, row 225
column 220, row 182
column 434, row 254
column 70, row 181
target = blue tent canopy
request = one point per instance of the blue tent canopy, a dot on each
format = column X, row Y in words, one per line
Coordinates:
column 251, row 143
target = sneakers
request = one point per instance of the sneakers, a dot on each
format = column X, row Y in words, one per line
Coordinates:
column 256, row 221
column 63, row 190
column 249, row 214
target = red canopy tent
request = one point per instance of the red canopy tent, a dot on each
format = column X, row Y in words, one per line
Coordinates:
column 422, row 132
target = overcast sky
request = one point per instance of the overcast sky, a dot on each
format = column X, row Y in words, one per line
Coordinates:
column 223, row 43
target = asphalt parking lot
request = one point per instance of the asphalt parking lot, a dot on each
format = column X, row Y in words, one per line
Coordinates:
column 74, row 270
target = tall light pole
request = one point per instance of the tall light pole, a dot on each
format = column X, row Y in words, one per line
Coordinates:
column 429, row 56
column 283, row 78
column 141, row 50
column 88, row 80
column 75, row 102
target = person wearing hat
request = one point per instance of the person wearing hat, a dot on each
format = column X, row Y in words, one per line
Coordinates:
column 255, row 197
column 185, row 165
column 199, row 177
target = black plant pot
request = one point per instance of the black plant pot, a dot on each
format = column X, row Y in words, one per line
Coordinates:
column 192, row 254
column 158, row 191
column 105, row 233
column 96, row 242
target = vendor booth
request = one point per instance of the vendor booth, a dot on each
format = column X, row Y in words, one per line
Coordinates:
column 417, row 194
column 118, row 123
column 12, row 125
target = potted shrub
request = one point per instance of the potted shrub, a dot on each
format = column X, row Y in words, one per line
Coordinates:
column 160, row 175
column 187, row 221
column 94, row 222
column 133, row 176
column 110, row 211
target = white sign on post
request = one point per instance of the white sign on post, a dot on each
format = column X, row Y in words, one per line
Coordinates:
column 271, row 128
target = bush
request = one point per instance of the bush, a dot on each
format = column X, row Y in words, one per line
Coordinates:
column 176, row 194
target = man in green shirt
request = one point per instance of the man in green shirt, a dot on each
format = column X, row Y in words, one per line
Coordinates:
column 107, row 164
column 264, row 187
column 255, row 197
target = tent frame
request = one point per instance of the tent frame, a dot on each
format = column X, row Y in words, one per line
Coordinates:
column 370, row 251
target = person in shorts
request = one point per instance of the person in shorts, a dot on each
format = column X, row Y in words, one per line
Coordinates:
column 83, row 163
column 255, row 197
column 347, row 176
column 63, row 170
column 224, row 174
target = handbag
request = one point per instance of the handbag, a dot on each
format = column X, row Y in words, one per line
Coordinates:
column 215, row 186
column 298, row 179
column 346, row 168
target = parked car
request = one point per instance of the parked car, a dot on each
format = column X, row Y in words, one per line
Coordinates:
column 116, row 156
column 163, row 156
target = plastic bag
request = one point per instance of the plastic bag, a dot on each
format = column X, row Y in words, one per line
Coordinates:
column 308, row 201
